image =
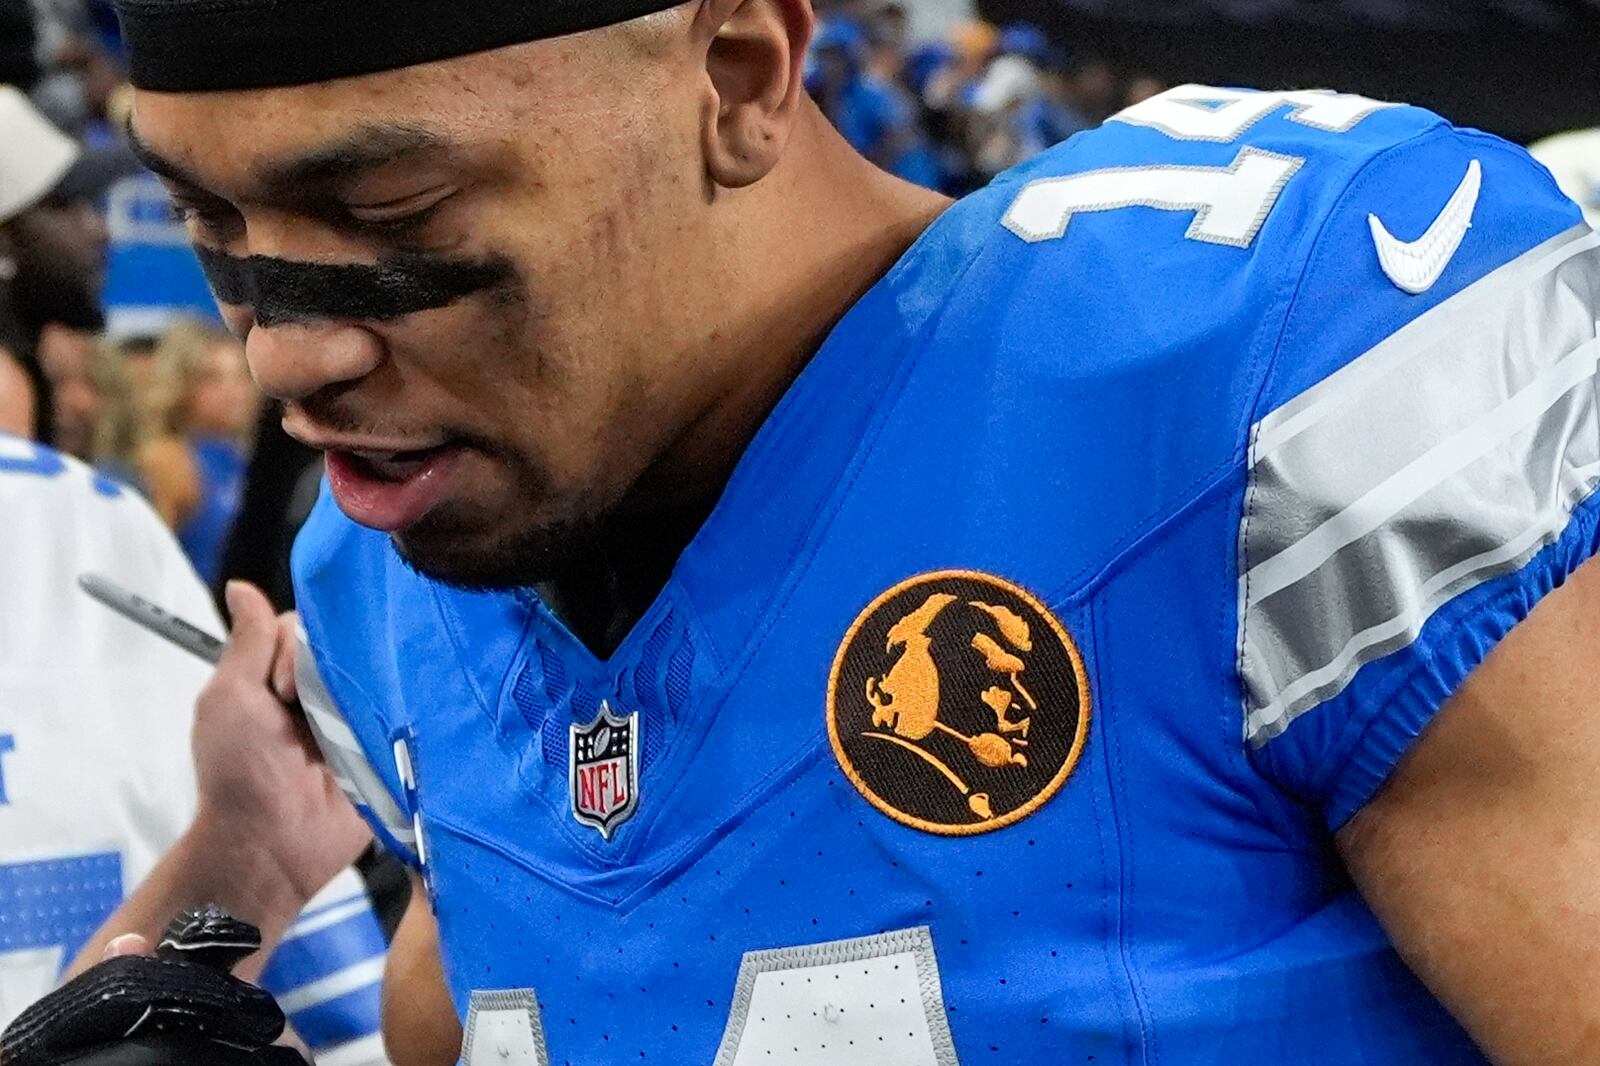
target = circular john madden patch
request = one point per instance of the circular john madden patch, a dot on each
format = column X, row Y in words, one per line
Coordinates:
column 957, row 703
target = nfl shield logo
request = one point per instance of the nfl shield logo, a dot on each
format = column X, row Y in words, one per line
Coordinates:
column 603, row 770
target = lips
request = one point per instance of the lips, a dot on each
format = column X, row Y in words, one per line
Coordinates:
column 390, row 490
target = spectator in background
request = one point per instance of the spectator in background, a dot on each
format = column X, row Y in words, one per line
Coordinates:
column 17, row 400
column 1142, row 87
column 66, row 358
column 942, row 75
column 1024, row 104
column 19, row 64
column 1094, row 88
column 887, row 35
column 876, row 116
column 119, row 429
column 200, row 407
column 52, row 241
column 1573, row 159
column 96, row 412
column 79, row 77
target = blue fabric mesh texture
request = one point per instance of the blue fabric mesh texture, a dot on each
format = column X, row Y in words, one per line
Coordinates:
column 540, row 687
column 657, row 687
column 680, row 674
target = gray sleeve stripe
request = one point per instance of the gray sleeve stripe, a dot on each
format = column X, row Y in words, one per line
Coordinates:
column 346, row 761
column 1288, row 701
column 1527, row 409
column 1477, row 306
column 1446, row 456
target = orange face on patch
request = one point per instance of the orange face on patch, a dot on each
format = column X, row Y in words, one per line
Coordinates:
column 957, row 703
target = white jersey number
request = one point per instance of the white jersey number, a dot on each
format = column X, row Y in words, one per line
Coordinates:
column 871, row 1001
column 1230, row 204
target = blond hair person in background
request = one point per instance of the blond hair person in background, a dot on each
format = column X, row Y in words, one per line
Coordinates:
column 97, row 414
column 199, row 409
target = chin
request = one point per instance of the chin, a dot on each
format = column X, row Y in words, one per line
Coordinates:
column 450, row 551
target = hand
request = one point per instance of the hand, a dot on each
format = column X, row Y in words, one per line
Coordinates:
column 262, row 782
column 178, row 1005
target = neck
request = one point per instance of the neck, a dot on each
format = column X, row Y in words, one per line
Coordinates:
column 799, row 249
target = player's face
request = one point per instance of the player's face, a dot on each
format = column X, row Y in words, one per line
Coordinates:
column 473, row 281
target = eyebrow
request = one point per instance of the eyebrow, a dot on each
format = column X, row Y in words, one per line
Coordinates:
column 364, row 149
column 156, row 162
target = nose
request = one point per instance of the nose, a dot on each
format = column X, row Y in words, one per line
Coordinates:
column 293, row 360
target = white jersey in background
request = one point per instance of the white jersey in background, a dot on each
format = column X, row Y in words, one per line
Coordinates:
column 1573, row 159
column 96, row 780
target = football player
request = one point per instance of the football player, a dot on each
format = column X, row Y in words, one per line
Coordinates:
column 96, row 778
column 1135, row 614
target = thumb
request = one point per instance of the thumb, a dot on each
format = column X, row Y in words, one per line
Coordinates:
column 255, row 631
column 126, row 944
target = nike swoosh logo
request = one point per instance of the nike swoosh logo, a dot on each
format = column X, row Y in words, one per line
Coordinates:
column 1416, row 265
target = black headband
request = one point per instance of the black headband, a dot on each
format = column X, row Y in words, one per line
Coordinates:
column 208, row 45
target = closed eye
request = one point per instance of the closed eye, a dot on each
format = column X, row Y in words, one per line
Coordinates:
column 403, row 212
column 215, row 220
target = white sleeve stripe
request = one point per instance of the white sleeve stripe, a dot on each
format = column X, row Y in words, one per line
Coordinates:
column 367, row 1051
column 313, row 923
column 341, row 983
column 1447, row 458
column 402, row 834
column 333, row 729
column 1442, row 458
column 1269, row 721
column 342, row 751
column 1483, row 301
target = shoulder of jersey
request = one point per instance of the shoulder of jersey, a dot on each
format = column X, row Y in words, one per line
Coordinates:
column 65, row 518
column 36, row 478
column 1139, row 296
column 1204, row 206
column 1197, row 205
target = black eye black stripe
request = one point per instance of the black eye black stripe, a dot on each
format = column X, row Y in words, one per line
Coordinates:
column 280, row 291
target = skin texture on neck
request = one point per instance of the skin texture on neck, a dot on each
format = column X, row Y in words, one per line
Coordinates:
column 806, row 260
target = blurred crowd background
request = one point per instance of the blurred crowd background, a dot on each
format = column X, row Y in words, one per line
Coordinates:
column 110, row 348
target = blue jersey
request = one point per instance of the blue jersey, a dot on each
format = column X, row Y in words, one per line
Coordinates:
column 219, row 466
column 1101, row 564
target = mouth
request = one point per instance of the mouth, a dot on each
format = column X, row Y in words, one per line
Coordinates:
column 389, row 490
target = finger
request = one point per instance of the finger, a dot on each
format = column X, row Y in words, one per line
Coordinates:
column 283, row 682
column 255, row 632
column 126, row 944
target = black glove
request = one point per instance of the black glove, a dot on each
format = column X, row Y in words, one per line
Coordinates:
column 181, row 1008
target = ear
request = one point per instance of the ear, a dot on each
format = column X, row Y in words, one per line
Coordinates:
column 755, row 57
